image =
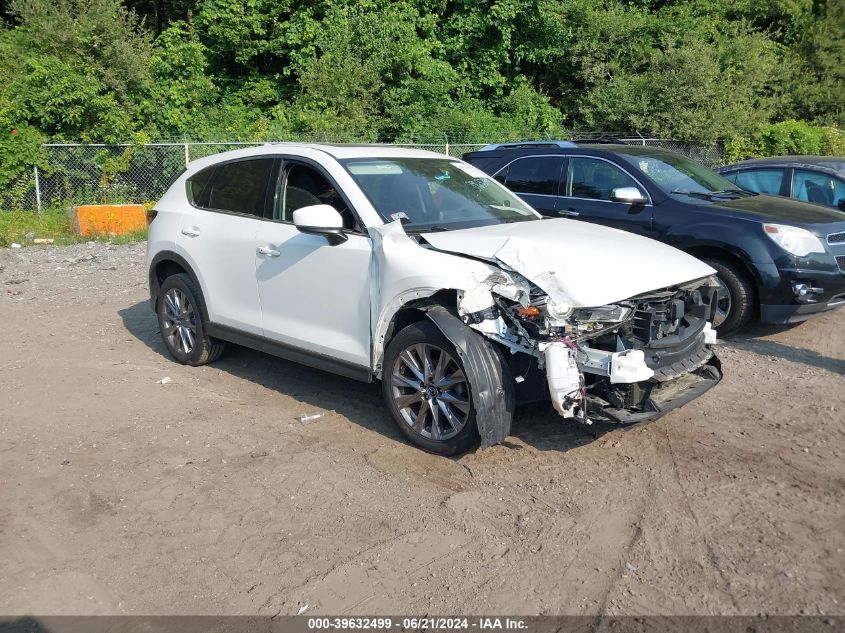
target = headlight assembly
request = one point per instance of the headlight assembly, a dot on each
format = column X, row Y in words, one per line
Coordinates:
column 799, row 242
column 603, row 314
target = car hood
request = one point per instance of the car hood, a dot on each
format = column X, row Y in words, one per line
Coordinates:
column 764, row 208
column 574, row 262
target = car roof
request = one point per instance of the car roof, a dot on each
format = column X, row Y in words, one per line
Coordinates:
column 507, row 152
column 527, row 145
column 336, row 151
column 836, row 163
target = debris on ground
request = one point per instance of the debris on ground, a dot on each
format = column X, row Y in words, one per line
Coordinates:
column 164, row 381
column 308, row 418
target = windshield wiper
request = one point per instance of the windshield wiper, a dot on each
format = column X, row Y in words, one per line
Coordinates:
column 721, row 193
column 694, row 194
column 427, row 229
column 731, row 192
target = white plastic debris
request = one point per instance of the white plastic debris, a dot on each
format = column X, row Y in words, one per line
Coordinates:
column 165, row 380
column 15, row 245
column 709, row 334
column 629, row 366
column 308, row 418
column 302, row 609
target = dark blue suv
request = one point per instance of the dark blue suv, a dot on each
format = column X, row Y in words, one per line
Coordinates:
column 779, row 260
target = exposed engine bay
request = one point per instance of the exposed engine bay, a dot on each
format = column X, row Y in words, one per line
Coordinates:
column 622, row 363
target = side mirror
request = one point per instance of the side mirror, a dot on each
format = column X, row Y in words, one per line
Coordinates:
column 631, row 195
column 320, row 219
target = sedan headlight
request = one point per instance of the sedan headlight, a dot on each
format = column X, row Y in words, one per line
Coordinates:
column 604, row 314
column 799, row 242
column 558, row 311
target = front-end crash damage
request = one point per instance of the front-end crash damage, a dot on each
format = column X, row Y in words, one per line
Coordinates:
column 625, row 362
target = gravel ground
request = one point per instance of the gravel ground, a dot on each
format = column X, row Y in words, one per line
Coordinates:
column 122, row 495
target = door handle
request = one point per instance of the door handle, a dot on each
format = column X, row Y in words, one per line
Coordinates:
column 570, row 213
column 269, row 252
column 191, row 231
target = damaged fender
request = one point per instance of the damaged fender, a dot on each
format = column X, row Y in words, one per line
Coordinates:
column 490, row 383
column 404, row 271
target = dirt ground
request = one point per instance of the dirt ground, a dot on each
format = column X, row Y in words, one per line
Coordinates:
column 122, row 495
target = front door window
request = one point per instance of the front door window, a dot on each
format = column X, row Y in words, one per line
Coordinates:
column 595, row 179
column 818, row 187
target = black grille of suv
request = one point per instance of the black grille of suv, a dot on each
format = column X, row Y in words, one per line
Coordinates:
column 836, row 238
column 840, row 259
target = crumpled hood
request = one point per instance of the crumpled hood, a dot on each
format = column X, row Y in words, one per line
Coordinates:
column 574, row 262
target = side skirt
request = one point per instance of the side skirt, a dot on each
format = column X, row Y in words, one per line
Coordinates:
column 289, row 352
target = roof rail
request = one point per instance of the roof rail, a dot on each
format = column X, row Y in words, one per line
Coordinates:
column 526, row 144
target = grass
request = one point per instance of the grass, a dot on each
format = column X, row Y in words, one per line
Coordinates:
column 54, row 223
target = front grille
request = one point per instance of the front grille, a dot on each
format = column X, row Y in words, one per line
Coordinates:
column 840, row 259
column 836, row 238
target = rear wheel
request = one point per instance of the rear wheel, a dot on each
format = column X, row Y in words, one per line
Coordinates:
column 181, row 323
column 427, row 392
column 735, row 306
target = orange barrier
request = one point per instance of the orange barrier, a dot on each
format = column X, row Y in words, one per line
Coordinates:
column 101, row 219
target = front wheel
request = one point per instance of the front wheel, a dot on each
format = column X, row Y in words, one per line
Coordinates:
column 427, row 392
column 735, row 306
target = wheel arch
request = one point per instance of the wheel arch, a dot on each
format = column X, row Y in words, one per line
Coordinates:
column 409, row 312
column 704, row 251
column 165, row 264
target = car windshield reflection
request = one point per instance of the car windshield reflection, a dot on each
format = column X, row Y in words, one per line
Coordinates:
column 678, row 175
column 430, row 194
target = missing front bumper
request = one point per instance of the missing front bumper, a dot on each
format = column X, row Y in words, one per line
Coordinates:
column 658, row 399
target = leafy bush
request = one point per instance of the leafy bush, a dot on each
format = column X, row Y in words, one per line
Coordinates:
column 787, row 138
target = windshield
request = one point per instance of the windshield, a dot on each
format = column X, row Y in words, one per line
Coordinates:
column 430, row 194
column 680, row 175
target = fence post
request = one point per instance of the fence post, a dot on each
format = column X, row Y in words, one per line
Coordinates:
column 187, row 155
column 447, row 144
column 37, row 189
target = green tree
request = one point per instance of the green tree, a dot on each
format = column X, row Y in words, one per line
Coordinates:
column 74, row 70
column 818, row 81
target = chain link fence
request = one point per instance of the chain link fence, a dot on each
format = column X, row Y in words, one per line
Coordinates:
column 93, row 173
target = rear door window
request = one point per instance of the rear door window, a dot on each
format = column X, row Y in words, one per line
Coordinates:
column 535, row 174
column 759, row 180
column 242, row 186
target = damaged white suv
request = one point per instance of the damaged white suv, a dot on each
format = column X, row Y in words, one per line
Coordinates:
column 420, row 270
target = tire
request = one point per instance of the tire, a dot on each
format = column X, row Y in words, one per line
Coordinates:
column 740, row 307
column 451, row 402
column 179, row 306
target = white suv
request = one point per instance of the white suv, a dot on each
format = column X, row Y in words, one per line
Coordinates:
column 420, row 270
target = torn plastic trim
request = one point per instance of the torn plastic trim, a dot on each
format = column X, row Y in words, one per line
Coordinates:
column 662, row 398
column 491, row 387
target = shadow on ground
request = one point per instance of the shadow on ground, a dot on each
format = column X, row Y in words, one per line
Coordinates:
column 536, row 425
column 751, row 340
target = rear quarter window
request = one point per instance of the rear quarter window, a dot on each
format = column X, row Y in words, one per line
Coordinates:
column 198, row 187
